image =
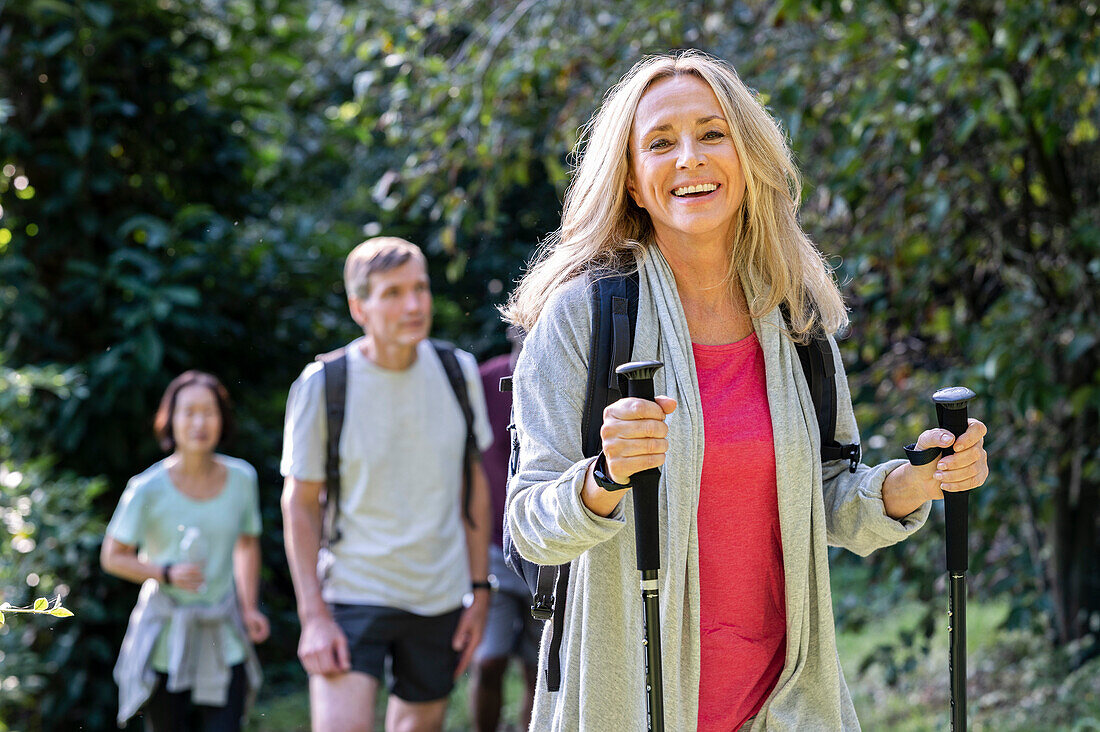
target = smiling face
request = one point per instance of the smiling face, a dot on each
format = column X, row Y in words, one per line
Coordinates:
column 397, row 311
column 684, row 169
column 196, row 419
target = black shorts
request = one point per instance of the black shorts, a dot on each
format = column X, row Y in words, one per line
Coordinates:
column 418, row 648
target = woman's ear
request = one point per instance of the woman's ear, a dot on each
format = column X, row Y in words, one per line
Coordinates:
column 632, row 190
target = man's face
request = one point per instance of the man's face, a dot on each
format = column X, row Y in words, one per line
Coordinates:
column 398, row 310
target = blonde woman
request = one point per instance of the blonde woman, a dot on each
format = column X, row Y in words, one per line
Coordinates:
column 685, row 177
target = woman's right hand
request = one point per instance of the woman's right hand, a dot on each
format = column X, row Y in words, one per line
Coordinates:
column 634, row 438
column 634, row 435
column 186, row 576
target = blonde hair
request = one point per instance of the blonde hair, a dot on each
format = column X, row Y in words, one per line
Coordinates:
column 380, row 254
column 602, row 227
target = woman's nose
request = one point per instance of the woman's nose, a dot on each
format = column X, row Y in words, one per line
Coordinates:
column 690, row 156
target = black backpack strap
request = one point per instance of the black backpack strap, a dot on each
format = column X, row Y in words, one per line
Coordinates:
column 553, row 653
column 820, row 371
column 614, row 315
column 335, row 367
column 446, row 353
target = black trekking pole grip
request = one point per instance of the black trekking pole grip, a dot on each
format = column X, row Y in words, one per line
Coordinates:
column 639, row 375
column 951, row 413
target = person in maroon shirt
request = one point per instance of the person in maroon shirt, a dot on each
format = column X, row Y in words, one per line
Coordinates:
column 510, row 631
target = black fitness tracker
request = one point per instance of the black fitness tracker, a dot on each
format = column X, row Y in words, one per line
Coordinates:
column 603, row 480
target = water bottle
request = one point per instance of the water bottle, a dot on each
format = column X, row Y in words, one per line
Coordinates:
column 193, row 549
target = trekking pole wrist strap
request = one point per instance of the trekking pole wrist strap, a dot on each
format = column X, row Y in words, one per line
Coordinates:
column 921, row 457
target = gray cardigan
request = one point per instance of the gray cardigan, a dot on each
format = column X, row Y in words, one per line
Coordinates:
column 602, row 664
column 195, row 657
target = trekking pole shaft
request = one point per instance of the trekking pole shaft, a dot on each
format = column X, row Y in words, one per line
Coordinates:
column 654, row 685
column 957, row 658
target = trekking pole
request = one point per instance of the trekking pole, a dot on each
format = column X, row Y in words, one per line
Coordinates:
column 951, row 413
column 639, row 375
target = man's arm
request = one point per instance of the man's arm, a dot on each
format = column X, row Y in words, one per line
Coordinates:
column 470, row 626
column 323, row 648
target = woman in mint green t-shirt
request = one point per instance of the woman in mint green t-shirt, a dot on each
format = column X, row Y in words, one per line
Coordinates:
column 187, row 529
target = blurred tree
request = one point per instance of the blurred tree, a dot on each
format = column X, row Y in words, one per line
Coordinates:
column 135, row 242
column 954, row 157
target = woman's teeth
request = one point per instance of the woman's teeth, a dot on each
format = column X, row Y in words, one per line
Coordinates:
column 701, row 188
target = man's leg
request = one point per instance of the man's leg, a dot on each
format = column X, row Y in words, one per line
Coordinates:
column 423, row 668
column 530, row 678
column 486, row 679
column 403, row 716
column 342, row 703
column 498, row 642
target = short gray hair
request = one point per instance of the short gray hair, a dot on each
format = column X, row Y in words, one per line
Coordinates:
column 380, row 254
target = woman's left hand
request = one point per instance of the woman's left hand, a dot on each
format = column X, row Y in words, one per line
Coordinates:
column 963, row 471
column 967, row 469
column 255, row 622
column 909, row 486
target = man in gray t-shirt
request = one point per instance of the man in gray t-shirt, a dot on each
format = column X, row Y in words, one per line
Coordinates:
column 390, row 590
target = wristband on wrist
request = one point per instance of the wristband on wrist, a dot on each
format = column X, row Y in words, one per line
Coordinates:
column 167, row 578
column 603, row 478
column 481, row 585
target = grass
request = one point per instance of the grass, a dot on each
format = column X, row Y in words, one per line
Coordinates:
column 1016, row 681
column 289, row 711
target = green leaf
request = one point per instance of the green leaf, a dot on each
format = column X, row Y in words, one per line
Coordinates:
column 157, row 231
column 57, row 42
column 100, row 14
column 149, row 349
column 41, row 604
column 1, row 619
column 60, row 612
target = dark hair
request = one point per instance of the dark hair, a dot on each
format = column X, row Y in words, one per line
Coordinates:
column 162, row 423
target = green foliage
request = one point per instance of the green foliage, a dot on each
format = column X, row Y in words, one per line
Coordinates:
column 179, row 182
column 41, row 606
column 132, row 247
column 954, row 163
column 1016, row 680
column 53, row 534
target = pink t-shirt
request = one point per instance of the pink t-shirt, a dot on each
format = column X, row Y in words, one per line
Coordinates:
column 743, row 611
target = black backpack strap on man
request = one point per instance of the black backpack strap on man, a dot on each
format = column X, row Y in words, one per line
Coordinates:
column 335, row 367
column 446, row 353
